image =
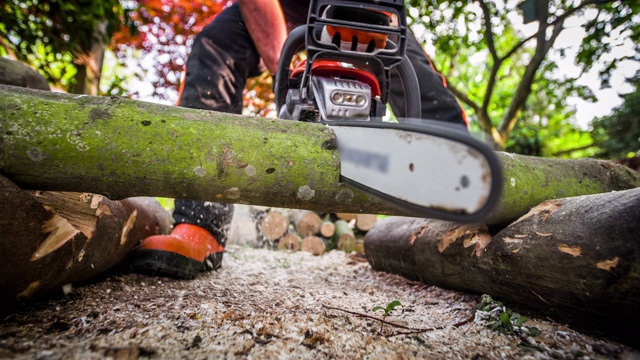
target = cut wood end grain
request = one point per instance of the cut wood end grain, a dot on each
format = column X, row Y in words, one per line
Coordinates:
column 273, row 225
column 312, row 244
column 60, row 232
column 289, row 242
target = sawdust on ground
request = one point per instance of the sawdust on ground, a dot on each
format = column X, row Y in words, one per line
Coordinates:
column 265, row 304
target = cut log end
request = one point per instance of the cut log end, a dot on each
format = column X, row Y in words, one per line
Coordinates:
column 312, row 244
column 364, row 222
column 327, row 229
column 347, row 243
column 308, row 224
column 289, row 242
column 274, row 225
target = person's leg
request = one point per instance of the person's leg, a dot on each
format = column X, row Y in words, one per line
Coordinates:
column 222, row 58
column 438, row 103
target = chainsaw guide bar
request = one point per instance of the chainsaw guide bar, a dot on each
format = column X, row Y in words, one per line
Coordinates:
column 431, row 169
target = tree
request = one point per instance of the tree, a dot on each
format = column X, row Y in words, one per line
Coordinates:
column 469, row 32
column 64, row 39
column 166, row 32
column 618, row 135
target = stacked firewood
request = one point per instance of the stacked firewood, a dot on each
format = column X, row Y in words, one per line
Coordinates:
column 304, row 230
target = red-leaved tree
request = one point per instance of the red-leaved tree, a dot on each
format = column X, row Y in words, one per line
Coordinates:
column 166, row 30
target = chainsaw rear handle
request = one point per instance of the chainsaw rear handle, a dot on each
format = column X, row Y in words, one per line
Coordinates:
column 296, row 42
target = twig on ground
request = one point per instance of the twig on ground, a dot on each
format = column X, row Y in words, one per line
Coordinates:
column 412, row 329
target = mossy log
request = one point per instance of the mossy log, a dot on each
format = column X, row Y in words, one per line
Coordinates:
column 122, row 148
column 575, row 259
column 50, row 239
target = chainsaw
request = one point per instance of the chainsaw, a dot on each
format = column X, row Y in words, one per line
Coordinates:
column 427, row 168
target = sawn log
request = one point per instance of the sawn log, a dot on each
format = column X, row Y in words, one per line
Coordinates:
column 52, row 239
column 574, row 259
column 122, row 148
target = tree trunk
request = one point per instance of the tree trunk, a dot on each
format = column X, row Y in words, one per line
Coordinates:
column 575, row 259
column 62, row 142
column 88, row 64
column 50, row 239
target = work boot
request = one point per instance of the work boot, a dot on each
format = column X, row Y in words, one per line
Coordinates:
column 185, row 252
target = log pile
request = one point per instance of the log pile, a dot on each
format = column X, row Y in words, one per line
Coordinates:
column 294, row 230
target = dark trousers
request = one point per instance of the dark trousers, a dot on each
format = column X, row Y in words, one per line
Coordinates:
column 224, row 56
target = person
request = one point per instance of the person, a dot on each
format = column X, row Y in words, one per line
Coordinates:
column 241, row 42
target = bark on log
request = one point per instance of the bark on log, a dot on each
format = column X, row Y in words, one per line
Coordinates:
column 62, row 142
column 528, row 181
column 574, row 259
column 312, row 244
column 18, row 74
column 49, row 239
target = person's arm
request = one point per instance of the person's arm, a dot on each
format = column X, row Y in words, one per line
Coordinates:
column 266, row 24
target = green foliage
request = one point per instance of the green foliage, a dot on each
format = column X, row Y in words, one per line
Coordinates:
column 390, row 307
column 485, row 57
column 613, row 20
column 54, row 36
column 166, row 203
column 618, row 135
column 498, row 317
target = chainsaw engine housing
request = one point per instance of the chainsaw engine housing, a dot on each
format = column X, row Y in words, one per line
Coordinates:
column 350, row 47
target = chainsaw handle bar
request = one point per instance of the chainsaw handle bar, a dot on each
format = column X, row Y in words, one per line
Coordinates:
column 296, row 42
column 293, row 45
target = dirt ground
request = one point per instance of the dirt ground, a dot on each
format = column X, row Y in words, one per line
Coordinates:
column 266, row 304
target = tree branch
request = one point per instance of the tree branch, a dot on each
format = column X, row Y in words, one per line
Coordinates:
column 516, row 47
column 570, row 12
column 489, row 30
column 569, row 151
column 463, row 97
column 457, row 92
column 6, row 48
column 412, row 330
